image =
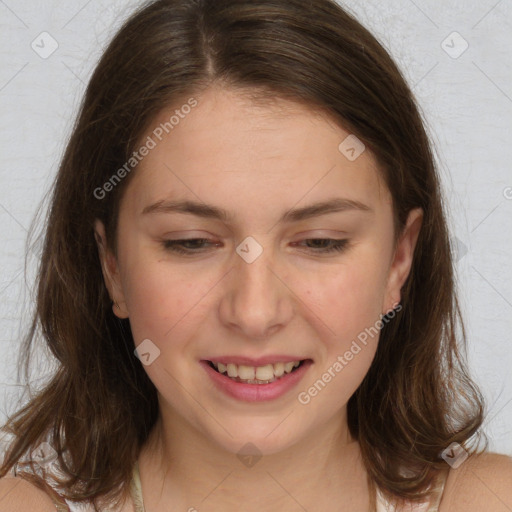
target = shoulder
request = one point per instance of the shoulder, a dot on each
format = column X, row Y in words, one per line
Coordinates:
column 482, row 482
column 19, row 495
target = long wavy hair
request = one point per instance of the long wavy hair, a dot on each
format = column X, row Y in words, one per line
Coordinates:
column 99, row 406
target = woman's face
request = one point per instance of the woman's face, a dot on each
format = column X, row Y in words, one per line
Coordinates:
column 271, row 192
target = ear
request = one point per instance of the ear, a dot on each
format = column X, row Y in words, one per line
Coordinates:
column 402, row 259
column 110, row 271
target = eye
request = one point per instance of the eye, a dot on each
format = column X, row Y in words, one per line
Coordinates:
column 327, row 245
column 197, row 245
column 187, row 246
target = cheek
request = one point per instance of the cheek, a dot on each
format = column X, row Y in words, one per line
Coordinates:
column 347, row 300
column 158, row 299
column 347, row 297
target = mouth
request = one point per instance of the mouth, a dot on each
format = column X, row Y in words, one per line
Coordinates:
column 265, row 374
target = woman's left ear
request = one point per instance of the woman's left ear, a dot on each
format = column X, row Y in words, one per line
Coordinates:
column 402, row 259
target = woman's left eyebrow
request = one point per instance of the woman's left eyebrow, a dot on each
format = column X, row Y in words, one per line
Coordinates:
column 293, row 215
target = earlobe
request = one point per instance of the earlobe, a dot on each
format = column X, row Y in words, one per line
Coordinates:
column 402, row 259
column 110, row 271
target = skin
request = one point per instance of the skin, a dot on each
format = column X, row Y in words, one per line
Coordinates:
column 293, row 299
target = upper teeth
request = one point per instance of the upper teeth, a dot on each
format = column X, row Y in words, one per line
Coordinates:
column 267, row 372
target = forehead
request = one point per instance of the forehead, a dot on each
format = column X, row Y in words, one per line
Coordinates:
column 228, row 143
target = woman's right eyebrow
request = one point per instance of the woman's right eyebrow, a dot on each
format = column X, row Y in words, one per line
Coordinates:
column 191, row 207
column 293, row 215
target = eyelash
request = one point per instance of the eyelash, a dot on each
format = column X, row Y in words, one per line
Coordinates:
column 174, row 245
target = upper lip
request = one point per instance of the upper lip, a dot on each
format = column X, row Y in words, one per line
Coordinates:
column 260, row 361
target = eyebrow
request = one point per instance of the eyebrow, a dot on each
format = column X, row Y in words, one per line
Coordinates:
column 294, row 215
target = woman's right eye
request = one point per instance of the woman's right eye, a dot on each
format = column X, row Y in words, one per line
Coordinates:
column 186, row 246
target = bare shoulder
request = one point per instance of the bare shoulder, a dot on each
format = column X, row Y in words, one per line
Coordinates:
column 482, row 482
column 18, row 495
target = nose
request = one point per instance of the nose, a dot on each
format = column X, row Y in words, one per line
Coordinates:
column 256, row 301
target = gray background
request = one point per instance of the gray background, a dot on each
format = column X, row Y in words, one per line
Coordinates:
column 466, row 98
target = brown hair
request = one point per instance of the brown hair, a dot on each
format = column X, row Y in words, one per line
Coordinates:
column 100, row 405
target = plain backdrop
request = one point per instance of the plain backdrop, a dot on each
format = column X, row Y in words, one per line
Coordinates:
column 456, row 56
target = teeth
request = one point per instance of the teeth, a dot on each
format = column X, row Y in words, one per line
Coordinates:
column 288, row 367
column 246, row 372
column 232, row 370
column 278, row 369
column 264, row 372
column 256, row 375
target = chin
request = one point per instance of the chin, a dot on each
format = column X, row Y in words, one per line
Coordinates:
column 267, row 438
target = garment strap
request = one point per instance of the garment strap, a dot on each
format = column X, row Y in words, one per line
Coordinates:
column 136, row 490
column 430, row 506
column 438, row 493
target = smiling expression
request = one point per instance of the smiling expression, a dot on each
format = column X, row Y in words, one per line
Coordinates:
column 289, row 254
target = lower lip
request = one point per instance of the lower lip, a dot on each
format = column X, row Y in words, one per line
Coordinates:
column 257, row 392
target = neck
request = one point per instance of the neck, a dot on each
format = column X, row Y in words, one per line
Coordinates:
column 180, row 465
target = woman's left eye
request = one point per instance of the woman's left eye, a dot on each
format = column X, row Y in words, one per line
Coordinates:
column 196, row 245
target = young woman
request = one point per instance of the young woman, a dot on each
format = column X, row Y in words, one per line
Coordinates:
column 247, row 282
